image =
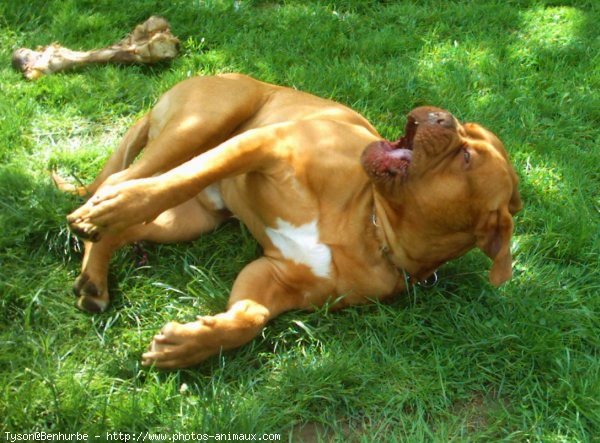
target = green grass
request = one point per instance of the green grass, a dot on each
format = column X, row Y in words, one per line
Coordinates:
column 459, row 362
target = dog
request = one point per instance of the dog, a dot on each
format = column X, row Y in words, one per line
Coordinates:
column 341, row 213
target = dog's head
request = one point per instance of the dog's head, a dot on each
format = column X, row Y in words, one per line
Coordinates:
column 448, row 187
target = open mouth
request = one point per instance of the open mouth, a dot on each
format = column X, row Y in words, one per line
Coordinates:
column 406, row 142
column 384, row 159
column 402, row 149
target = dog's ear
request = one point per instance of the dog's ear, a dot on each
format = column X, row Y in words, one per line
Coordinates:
column 515, row 204
column 493, row 233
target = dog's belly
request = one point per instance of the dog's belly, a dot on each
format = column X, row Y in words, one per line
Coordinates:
column 212, row 198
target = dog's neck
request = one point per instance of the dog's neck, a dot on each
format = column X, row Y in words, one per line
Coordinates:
column 384, row 219
column 392, row 234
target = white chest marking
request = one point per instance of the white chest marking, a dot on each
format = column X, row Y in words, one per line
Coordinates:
column 301, row 245
column 213, row 194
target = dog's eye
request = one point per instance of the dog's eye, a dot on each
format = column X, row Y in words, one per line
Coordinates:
column 466, row 155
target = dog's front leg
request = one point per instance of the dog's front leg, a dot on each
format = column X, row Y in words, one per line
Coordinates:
column 259, row 294
column 115, row 207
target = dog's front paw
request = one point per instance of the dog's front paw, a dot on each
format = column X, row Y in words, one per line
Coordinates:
column 84, row 222
column 91, row 297
column 83, row 229
column 182, row 345
column 116, row 207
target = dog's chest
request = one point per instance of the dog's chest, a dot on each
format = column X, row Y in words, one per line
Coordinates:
column 283, row 218
column 302, row 245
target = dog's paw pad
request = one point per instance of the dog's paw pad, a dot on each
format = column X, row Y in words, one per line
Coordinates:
column 83, row 286
column 90, row 297
column 91, row 304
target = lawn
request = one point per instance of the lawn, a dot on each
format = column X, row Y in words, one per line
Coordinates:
column 461, row 361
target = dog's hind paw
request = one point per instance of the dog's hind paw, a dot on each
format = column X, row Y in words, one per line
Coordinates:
column 90, row 296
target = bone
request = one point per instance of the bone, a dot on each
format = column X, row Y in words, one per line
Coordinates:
column 150, row 42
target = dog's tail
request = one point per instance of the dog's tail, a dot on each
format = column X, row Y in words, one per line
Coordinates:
column 64, row 186
column 133, row 142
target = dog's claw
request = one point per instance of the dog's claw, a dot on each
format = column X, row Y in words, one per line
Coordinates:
column 160, row 338
column 85, row 232
column 150, row 358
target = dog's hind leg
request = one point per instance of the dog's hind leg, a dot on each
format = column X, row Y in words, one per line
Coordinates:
column 191, row 118
column 182, row 223
column 194, row 116
column 133, row 142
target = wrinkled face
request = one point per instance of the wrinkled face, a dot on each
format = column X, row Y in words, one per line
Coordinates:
column 453, row 185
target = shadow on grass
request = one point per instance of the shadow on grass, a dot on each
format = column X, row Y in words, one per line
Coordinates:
column 32, row 215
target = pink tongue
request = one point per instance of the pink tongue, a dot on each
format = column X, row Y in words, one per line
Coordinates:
column 399, row 160
column 401, row 154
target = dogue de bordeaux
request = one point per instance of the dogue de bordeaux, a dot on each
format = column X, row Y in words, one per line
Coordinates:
column 341, row 213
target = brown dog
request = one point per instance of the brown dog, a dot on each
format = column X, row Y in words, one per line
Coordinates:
column 340, row 212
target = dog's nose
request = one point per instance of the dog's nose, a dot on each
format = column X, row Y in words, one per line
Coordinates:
column 442, row 118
